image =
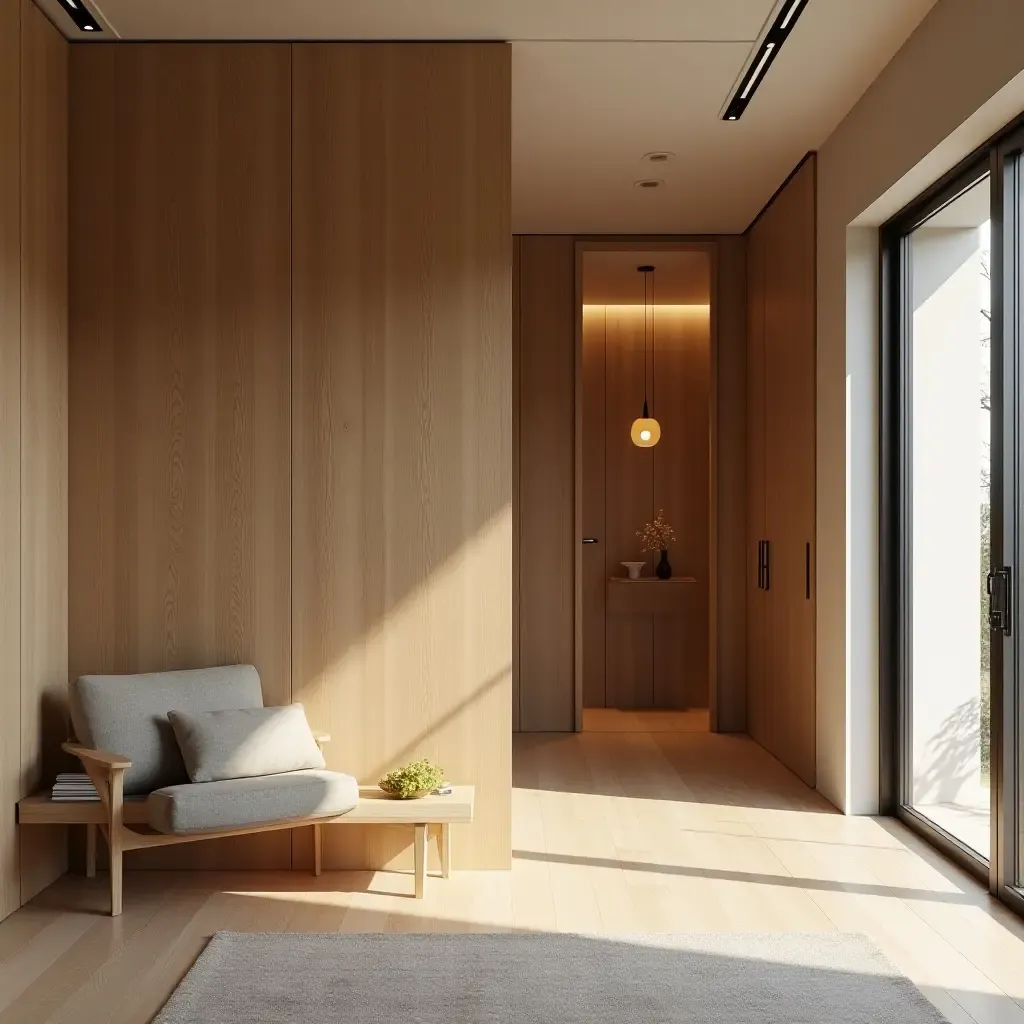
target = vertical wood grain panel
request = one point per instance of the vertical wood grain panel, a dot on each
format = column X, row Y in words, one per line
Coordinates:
column 629, row 501
column 728, row 528
column 180, row 456
column 402, row 423
column 783, row 692
column 757, row 661
column 517, row 349
column 547, row 430
column 682, row 461
column 44, row 435
column 10, row 450
column 595, row 569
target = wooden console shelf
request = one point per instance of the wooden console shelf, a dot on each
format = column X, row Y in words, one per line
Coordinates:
column 649, row 595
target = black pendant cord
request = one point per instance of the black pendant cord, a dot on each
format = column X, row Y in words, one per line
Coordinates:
column 646, row 279
column 647, row 271
column 654, row 334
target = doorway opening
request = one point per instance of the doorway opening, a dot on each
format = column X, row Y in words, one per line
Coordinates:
column 644, row 488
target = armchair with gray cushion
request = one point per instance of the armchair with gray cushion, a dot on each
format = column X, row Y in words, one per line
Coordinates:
column 149, row 736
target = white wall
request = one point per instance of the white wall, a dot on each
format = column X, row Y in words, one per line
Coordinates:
column 955, row 81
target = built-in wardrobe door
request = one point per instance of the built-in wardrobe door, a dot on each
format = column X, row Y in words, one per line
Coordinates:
column 757, row 596
column 782, row 320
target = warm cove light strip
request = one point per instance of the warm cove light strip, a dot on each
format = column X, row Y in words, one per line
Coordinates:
column 661, row 307
column 782, row 27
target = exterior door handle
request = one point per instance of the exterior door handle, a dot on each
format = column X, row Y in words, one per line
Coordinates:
column 1000, row 601
column 589, row 540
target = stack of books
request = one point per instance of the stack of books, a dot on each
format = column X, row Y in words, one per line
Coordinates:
column 74, row 786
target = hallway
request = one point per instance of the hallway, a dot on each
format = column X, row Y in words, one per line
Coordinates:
column 612, row 833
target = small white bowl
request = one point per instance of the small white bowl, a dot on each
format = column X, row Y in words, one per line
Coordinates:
column 634, row 569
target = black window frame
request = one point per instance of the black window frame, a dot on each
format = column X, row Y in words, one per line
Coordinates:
column 1001, row 158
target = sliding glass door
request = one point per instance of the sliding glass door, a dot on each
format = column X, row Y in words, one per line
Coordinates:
column 1008, row 555
column 953, row 514
column 949, row 412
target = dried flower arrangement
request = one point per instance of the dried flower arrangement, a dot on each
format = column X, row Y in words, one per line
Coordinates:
column 656, row 535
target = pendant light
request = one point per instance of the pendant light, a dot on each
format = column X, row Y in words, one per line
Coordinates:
column 646, row 431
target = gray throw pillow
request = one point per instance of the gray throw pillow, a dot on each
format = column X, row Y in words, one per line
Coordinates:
column 246, row 743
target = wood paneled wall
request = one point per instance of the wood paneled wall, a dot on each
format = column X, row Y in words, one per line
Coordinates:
column 727, row 531
column 33, row 434
column 781, row 471
column 642, row 661
column 10, row 449
column 402, row 425
column 44, row 426
column 549, row 309
column 301, row 459
column 545, row 276
column 180, row 460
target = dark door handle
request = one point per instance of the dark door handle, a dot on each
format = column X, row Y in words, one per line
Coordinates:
column 767, row 565
column 761, row 565
column 1000, row 601
column 807, row 571
column 589, row 540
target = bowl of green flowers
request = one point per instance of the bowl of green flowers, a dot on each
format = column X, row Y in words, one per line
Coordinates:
column 413, row 781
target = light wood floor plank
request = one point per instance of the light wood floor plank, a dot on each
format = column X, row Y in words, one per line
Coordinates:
column 613, row 832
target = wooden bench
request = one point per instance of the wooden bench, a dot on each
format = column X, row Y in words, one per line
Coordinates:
column 374, row 808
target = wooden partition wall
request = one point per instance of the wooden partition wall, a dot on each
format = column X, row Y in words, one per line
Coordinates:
column 547, row 556
column 33, row 434
column 632, row 659
column 290, row 397
column 781, row 473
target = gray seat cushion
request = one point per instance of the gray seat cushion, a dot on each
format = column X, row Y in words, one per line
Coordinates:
column 128, row 715
column 238, row 803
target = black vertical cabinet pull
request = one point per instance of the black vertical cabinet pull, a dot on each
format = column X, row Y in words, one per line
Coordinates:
column 763, row 566
column 807, row 571
column 767, row 564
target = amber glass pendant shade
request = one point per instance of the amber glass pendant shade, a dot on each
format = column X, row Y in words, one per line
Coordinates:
column 645, row 432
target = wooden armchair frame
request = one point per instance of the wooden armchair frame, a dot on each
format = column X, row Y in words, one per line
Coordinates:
column 106, row 770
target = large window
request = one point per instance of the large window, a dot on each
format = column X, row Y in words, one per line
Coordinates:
column 953, row 510
column 950, row 438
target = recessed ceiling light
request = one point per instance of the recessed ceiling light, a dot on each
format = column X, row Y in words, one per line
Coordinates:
column 658, row 156
column 80, row 15
column 649, row 183
column 781, row 29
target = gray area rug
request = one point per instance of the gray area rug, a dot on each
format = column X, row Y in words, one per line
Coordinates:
column 286, row 978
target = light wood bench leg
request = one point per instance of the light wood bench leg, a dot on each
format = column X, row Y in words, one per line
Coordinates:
column 420, row 851
column 90, row 851
column 444, row 849
column 318, row 849
column 114, row 840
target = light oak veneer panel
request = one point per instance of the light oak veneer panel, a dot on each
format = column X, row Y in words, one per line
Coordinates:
column 180, row 452
column 10, row 450
column 727, row 668
column 682, row 464
column 402, row 379
column 781, row 641
column 547, row 555
column 629, row 503
column 44, row 429
column 595, row 569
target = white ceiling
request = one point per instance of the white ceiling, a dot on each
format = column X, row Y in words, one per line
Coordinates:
column 598, row 83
